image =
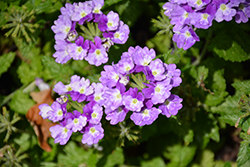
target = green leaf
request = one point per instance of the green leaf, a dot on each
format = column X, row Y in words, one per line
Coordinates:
column 21, row 102
column 5, row 61
column 207, row 158
column 58, row 71
column 244, row 154
column 31, row 68
column 74, row 155
column 108, row 3
column 242, row 86
column 157, row 161
column 115, row 158
column 22, row 141
column 179, row 156
column 231, row 43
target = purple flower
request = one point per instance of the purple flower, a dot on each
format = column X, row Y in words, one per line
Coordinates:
column 61, row 54
column 60, row 133
column 171, row 105
column 143, row 56
column 161, row 91
column 68, row 9
column 132, row 100
column 97, row 5
column 125, row 65
column 96, row 115
column 198, row 4
column 117, row 115
column 44, row 110
column 110, row 76
column 121, row 34
column 158, row 69
column 79, row 49
column 57, row 113
column 61, row 89
column 113, row 98
column 99, row 90
column 92, row 134
column 185, row 38
column 224, row 12
column 97, row 54
column 82, row 89
column 77, row 122
column 62, row 27
column 173, row 74
column 145, row 117
column 242, row 10
column 81, row 10
column 112, row 21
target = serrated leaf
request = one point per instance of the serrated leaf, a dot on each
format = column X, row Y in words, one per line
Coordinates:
column 21, row 102
column 22, row 141
column 31, row 68
column 73, row 155
column 242, row 86
column 207, row 158
column 5, row 61
column 179, row 156
column 157, row 161
column 244, row 154
column 58, row 71
column 200, row 73
column 228, row 48
column 115, row 158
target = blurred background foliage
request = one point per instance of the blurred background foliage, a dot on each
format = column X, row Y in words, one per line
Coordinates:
column 211, row 130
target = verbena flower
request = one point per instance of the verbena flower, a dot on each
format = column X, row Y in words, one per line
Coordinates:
column 94, row 42
column 138, row 83
column 187, row 14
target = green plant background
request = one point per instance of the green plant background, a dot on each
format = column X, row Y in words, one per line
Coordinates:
column 215, row 89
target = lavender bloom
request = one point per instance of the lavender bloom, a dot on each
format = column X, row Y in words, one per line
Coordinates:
column 171, row 105
column 97, row 5
column 61, row 54
column 125, row 65
column 77, row 122
column 44, row 110
column 185, row 38
column 145, row 117
column 99, row 90
column 41, row 84
column 81, row 10
column 60, row 133
column 61, row 89
column 224, row 12
column 117, row 115
column 113, row 98
column 158, row 69
column 96, row 115
column 92, row 134
column 132, row 100
column 143, row 56
column 121, row 34
column 161, row 91
column 173, row 74
column 110, row 76
column 57, row 113
column 79, row 49
column 82, row 89
column 242, row 10
column 112, row 21
column 198, row 4
column 97, row 54
column 68, row 9
column 62, row 27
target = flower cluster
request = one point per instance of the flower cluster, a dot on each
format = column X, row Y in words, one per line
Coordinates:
column 108, row 29
column 138, row 83
column 188, row 14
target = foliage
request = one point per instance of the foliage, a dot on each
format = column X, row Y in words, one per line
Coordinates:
column 215, row 90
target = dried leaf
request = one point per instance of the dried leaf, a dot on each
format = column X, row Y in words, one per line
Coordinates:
column 41, row 126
